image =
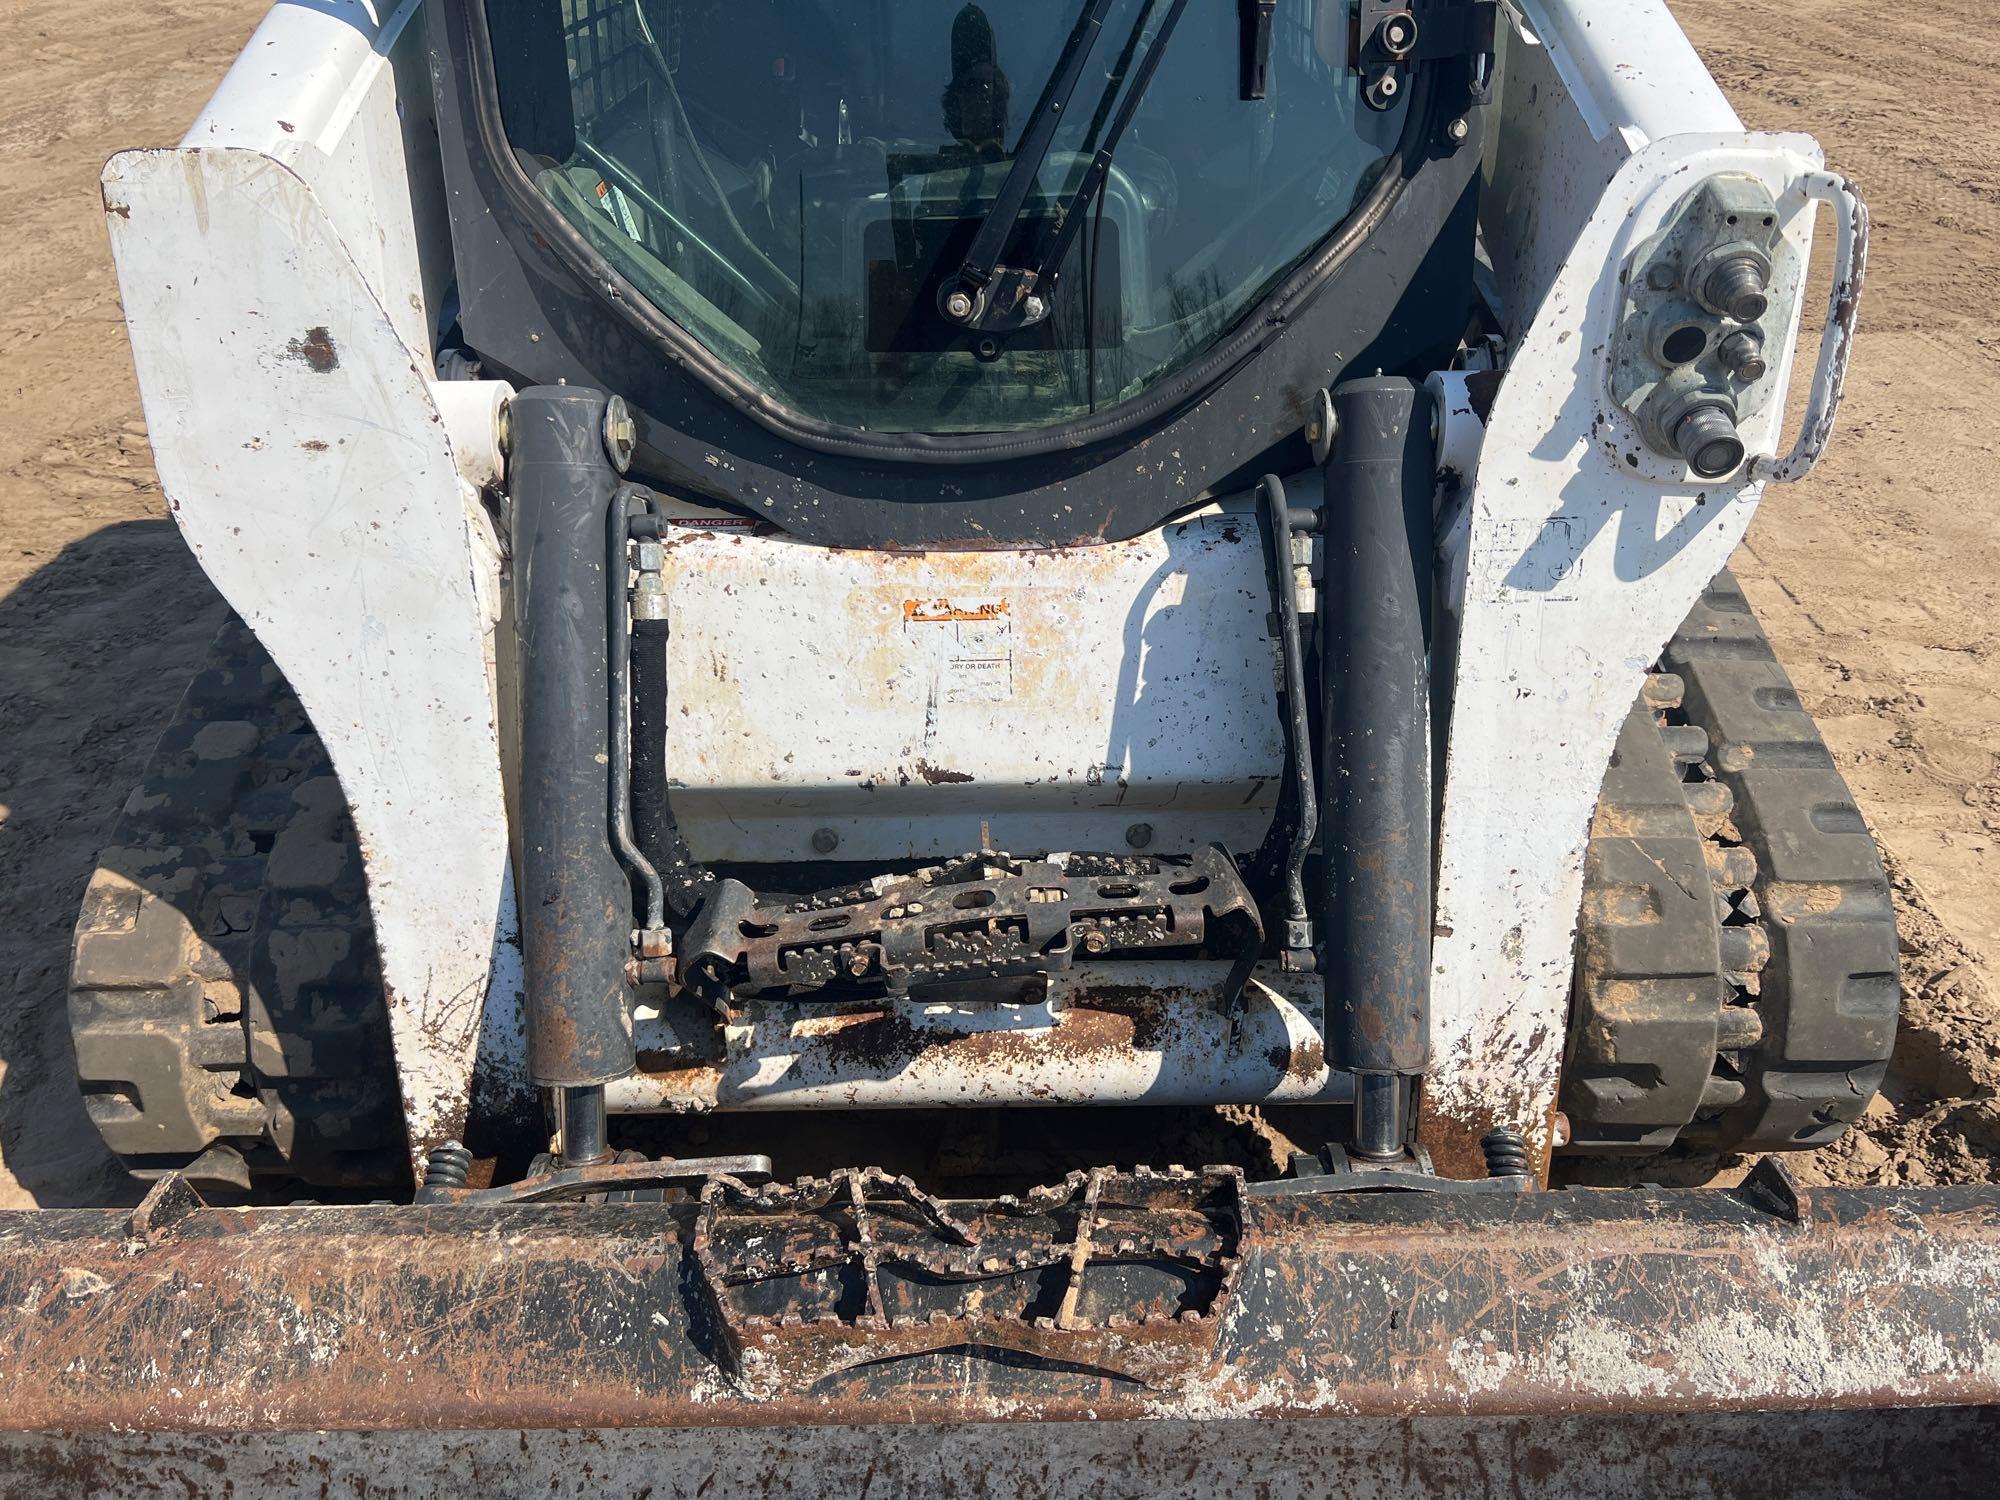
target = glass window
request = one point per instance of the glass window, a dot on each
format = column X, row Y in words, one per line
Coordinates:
column 795, row 182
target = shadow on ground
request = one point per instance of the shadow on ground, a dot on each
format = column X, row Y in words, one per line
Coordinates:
column 95, row 649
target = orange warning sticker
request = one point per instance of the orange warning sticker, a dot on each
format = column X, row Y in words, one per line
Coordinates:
column 946, row 612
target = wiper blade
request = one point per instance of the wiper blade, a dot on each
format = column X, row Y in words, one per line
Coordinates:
column 981, row 260
column 991, row 297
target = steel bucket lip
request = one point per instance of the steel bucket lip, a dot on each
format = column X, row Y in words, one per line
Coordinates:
column 1387, row 1305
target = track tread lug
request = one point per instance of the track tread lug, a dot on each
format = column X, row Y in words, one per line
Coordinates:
column 1812, row 981
column 224, row 984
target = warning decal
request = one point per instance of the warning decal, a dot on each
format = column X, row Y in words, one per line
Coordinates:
column 964, row 647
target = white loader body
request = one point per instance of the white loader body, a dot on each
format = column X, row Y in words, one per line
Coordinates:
column 282, row 271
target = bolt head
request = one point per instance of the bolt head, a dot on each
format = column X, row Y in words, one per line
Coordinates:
column 959, row 305
column 1139, row 835
column 1095, row 942
column 1035, row 309
column 621, row 433
column 1459, row 128
column 1387, row 87
column 825, row 840
column 1749, row 306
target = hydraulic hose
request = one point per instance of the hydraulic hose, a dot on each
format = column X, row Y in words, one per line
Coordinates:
column 1298, row 936
column 618, row 633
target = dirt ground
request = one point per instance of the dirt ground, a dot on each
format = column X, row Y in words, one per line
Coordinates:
column 1877, row 578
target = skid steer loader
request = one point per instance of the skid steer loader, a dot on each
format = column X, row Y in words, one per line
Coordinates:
column 952, row 714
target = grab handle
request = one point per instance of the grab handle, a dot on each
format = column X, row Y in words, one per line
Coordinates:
column 1836, row 341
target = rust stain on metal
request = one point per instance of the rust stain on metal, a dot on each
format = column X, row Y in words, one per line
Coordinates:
column 975, row 918
column 1149, row 1011
column 888, row 1040
column 818, row 1283
column 860, row 1299
column 883, row 1039
column 315, row 350
column 1306, row 1061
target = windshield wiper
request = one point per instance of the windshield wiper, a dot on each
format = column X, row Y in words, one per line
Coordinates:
column 993, row 298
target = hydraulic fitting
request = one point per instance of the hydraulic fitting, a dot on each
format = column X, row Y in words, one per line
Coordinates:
column 1705, row 436
column 1703, row 297
column 1743, row 353
column 1733, row 281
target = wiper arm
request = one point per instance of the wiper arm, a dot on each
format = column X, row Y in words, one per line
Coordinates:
column 989, row 296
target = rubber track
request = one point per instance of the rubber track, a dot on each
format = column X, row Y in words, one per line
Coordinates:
column 224, row 989
column 1829, row 994
column 1649, row 991
column 1761, row 1018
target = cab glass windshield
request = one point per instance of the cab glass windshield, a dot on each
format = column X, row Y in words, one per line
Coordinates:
column 799, row 183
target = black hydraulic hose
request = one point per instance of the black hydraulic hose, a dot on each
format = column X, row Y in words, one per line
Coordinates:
column 651, row 815
column 618, row 632
column 686, row 883
column 1377, row 807
column 576, row 899
column 1298, row 732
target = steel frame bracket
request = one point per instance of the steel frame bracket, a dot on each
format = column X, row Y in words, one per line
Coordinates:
column 1387, row 38
column 982, row 920
column 1332, row 1170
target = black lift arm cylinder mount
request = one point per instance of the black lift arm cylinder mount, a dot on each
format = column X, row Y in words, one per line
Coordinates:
column 576, row 899
column 1376, row 813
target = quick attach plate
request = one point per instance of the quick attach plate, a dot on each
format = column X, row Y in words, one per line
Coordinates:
column 978, row 921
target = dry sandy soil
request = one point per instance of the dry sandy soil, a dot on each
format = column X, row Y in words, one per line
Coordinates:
column 1877, row 577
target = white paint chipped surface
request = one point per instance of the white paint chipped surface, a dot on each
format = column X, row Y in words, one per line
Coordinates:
column 1583, row 556
column 1135, row 1032
column 300, row 453
column 929, row 704
column 279, row 275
